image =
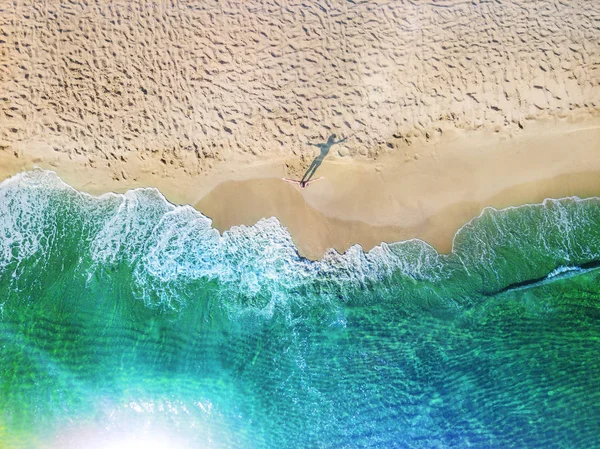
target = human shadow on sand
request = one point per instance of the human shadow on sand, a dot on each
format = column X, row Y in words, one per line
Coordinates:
column 316, row 163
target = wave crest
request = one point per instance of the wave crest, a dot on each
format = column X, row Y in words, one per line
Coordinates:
column 167, row 247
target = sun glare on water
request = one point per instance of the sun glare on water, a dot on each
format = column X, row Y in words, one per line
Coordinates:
column 131, row 441
column 134, row 438
column 146, row 442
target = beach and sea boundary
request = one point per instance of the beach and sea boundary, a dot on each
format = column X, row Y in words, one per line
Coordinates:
column 443, row 107
column 429, row 195
column 437, row 288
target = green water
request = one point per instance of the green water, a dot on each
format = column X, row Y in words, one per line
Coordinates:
column 126, row 320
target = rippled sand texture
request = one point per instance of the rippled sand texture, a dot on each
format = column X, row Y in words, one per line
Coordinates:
column 223, row 78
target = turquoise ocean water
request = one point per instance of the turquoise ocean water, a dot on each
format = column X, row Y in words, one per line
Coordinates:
column 125, row 320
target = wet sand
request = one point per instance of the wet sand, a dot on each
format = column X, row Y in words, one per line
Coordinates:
column 428, row 194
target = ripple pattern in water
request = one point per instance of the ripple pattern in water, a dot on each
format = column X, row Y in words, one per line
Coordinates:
column 126, row 320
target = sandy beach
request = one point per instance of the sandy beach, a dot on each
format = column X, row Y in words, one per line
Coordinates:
column 444, row 108
column 393, row 198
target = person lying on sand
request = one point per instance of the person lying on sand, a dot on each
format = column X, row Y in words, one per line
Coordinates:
column 301, row 183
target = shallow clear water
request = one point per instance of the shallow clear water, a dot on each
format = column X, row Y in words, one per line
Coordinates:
column 126, row 320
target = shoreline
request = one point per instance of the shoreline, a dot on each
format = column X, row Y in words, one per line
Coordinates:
column 427, row 192
column 427, row 112
column 438, row 231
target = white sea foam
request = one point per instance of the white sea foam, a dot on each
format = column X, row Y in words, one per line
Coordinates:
column 169, row 245
column 23, row 223
column 562, row 270
column 181, row 245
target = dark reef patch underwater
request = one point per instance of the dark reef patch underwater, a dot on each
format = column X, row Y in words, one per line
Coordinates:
column 123, row 317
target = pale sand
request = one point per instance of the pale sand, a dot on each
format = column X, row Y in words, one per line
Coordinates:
column 447, row 107
column 428, row 194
